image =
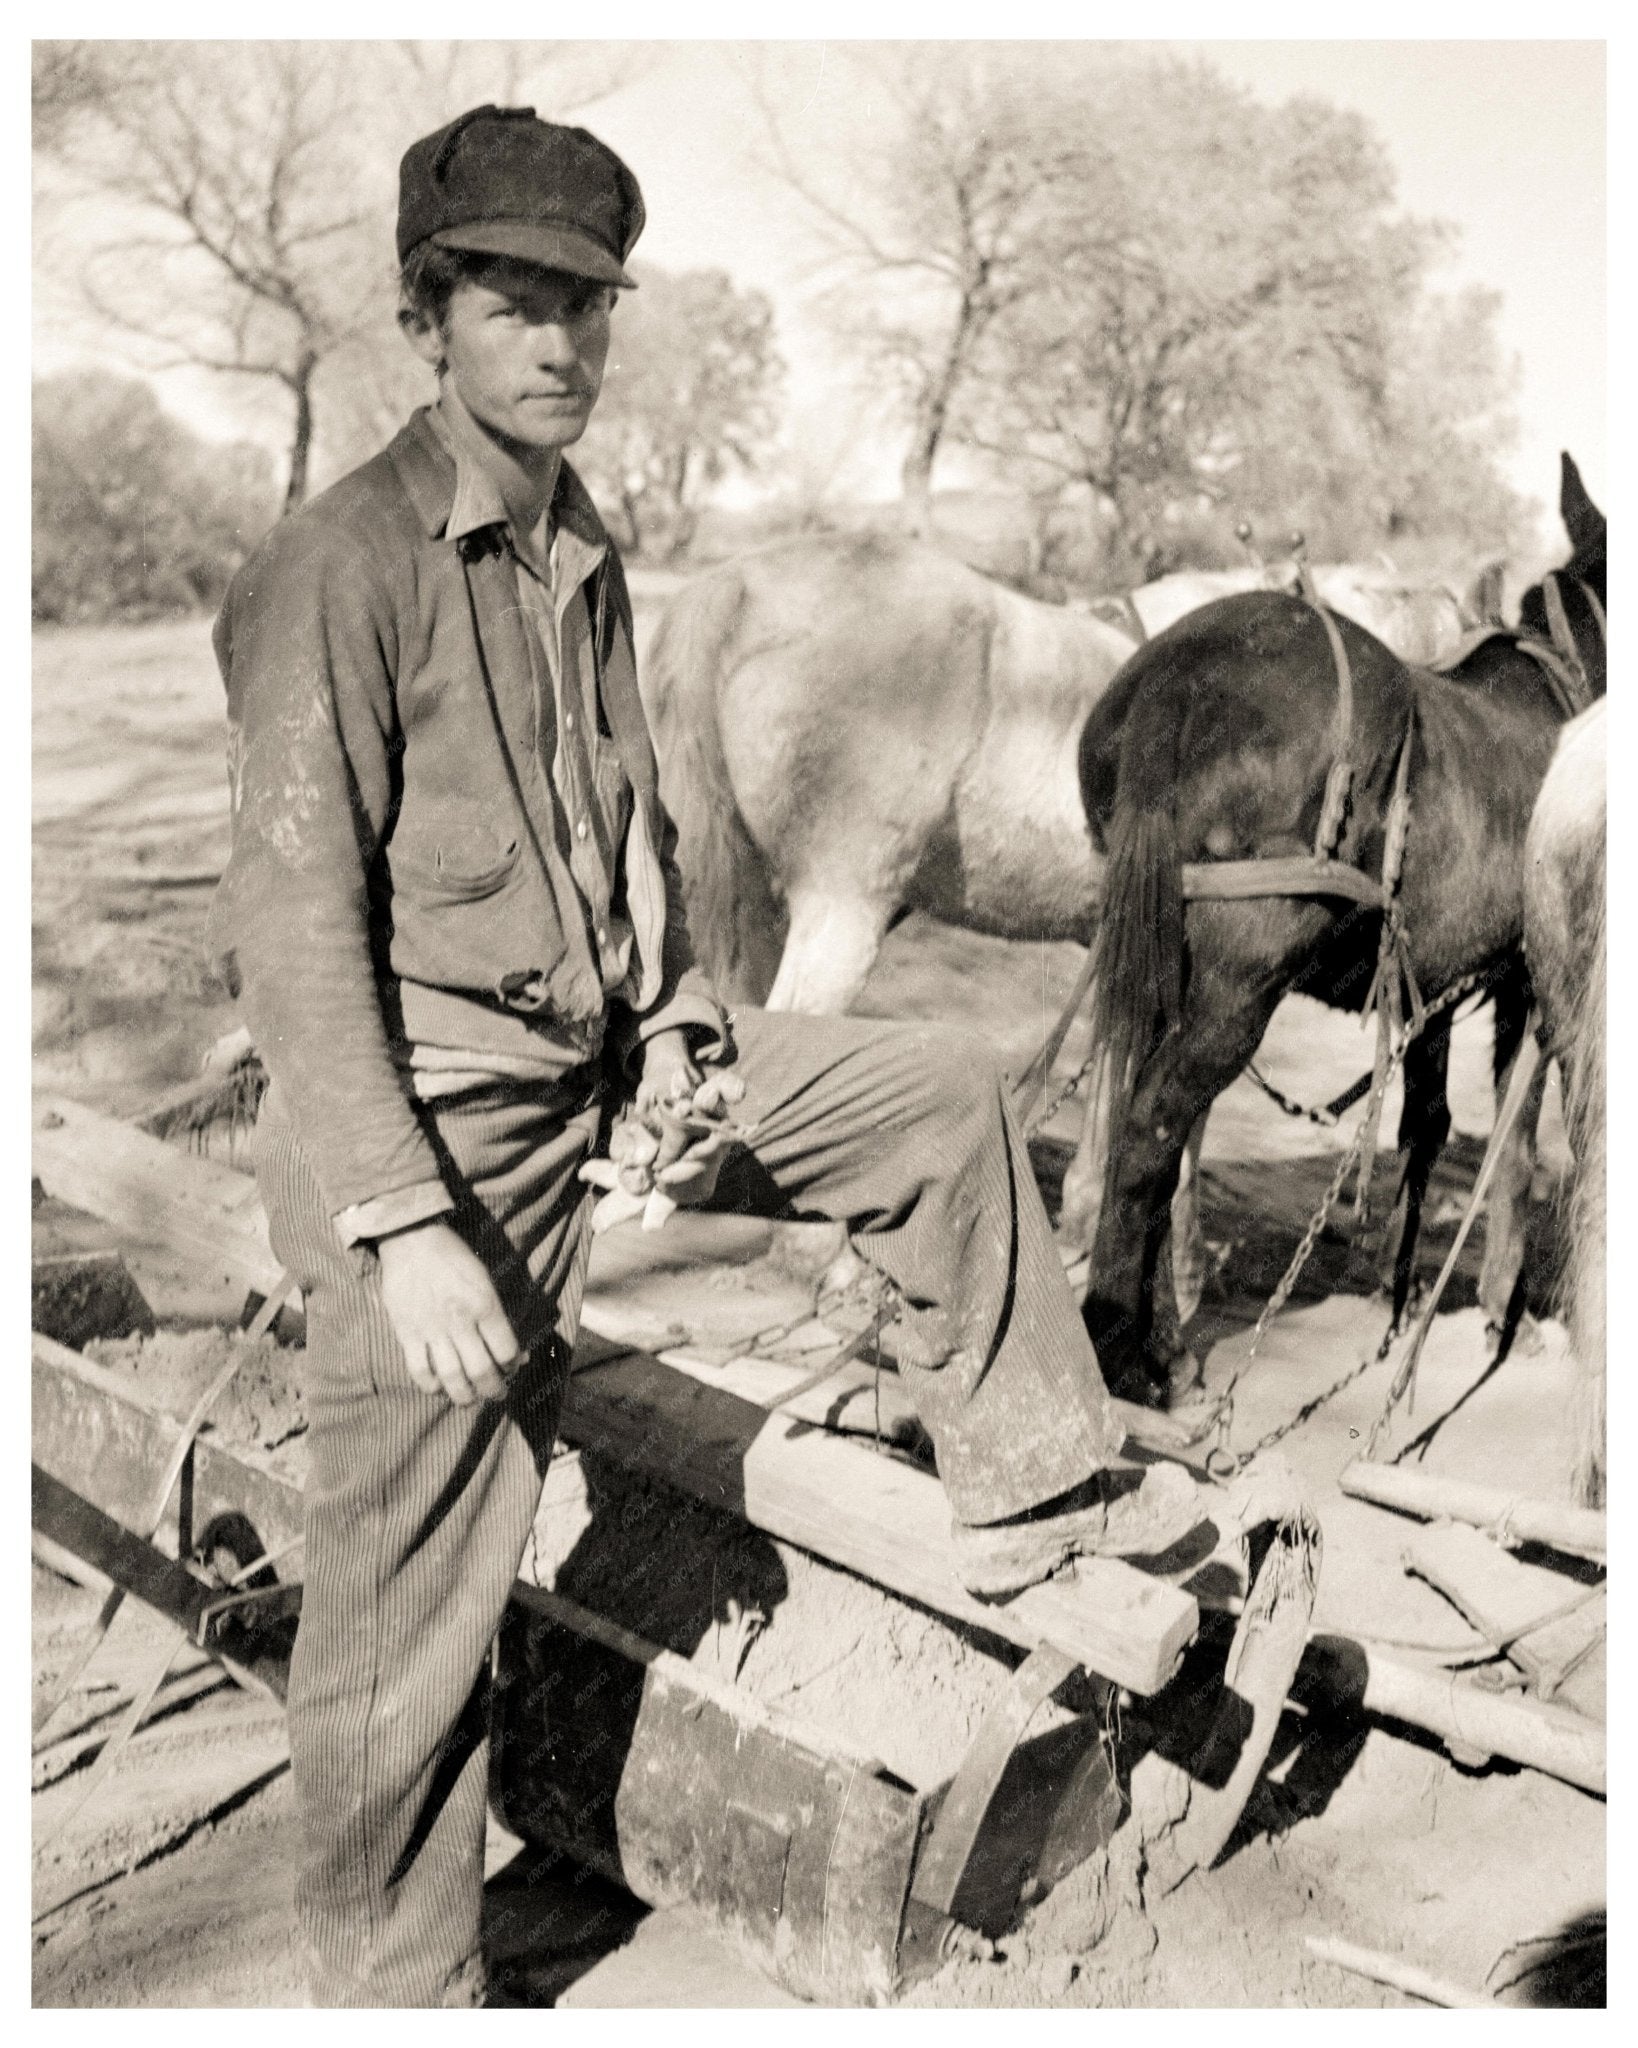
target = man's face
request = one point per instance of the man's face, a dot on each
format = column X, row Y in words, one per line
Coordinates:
column 524, row 349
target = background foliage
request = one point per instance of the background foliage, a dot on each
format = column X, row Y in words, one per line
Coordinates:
column 1124, row 309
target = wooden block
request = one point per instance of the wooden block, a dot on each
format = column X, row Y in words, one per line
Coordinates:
column 1546, row 1623
column 207, row 1214
column 872, row 1515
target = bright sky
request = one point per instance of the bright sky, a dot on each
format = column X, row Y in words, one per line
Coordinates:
column 1504, row 139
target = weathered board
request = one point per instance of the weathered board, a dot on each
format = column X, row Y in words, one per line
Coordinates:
column 1547, row 1624
column 871, row 1515
column 154, row 1192
column 874, row 1515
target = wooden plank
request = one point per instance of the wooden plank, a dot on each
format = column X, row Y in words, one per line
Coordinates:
column 847, row 1401
column 1514, row 1518
column 870, row 1515
column 103, row 1434
column 1546, row 1623
column 153, row 1192
column 875, row 1516
column 797, row 1845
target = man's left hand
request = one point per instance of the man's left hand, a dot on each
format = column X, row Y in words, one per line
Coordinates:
column 670, row 1074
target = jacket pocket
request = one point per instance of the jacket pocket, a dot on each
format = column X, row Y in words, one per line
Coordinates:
column 469, row 909
column 460, row 868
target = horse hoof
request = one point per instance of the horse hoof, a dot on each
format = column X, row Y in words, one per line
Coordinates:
column 1527, row 1341
column 1129, row 1380
column 1185, row 1377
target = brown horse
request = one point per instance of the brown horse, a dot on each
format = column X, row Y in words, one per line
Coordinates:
column 1420, row 622
column 1564, row 941
column 1216, row 744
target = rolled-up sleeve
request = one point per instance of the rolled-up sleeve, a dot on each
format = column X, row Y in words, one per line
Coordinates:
column 307, row 643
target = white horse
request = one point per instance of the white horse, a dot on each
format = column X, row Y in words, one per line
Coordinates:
column 852, row 727
column 1565, row 915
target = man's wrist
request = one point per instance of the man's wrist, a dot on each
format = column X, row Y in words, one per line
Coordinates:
column 371, row 1221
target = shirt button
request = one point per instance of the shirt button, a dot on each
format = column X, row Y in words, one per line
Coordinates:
column 581, row 829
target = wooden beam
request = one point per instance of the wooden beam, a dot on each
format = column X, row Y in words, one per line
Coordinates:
column 1547, row 1624
column 153, row 1192
column 1473, row 1723
column 1516, row 1518
column 848, row 1400
column 872, row 1515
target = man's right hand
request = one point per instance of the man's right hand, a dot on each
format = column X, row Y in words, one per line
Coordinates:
column 457, row 1339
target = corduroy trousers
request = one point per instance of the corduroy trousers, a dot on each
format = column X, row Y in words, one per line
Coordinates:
column 417, row 1512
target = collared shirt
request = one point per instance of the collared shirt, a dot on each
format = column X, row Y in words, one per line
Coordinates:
column 454, row 1042
column 383, row 898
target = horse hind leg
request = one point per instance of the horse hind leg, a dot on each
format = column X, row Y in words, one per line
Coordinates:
column 830, row 949
column 1424, row 1125
column 1083, row 1200
column 1131, row 1309
column 1507, row 1212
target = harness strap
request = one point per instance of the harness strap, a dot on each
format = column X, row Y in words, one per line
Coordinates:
column 1558, row 623
column 1395, row 977
column 1567, row 685
column 1339, row 780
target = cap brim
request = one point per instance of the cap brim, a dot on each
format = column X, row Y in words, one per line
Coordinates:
column 538, row 241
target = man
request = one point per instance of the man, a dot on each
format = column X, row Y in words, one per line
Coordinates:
column 453, row 916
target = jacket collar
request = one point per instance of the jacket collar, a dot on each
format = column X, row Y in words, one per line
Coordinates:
column 453, row 498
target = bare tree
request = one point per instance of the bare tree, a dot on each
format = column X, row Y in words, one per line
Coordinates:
column 955, row 221
column 692, row 372
column 223, row 172
column 243, row 191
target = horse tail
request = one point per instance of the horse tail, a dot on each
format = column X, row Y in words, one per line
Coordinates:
column 735, row 918
column 1138, row 957
column 1585, row 1275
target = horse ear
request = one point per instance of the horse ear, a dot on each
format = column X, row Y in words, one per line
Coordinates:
column 1583, row 521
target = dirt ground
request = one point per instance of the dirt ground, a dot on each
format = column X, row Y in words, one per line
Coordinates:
column 172, row 1885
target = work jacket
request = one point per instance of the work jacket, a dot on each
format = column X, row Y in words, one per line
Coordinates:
column 390, row 808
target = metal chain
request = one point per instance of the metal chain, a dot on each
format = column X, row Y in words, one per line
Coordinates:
column 1224, row 1462
column 1050, row 1108
column 1328, row 1115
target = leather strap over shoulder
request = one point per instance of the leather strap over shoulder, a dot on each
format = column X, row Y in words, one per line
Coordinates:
column 1339, row 780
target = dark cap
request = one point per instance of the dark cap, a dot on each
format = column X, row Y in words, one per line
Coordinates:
column 501, row 182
